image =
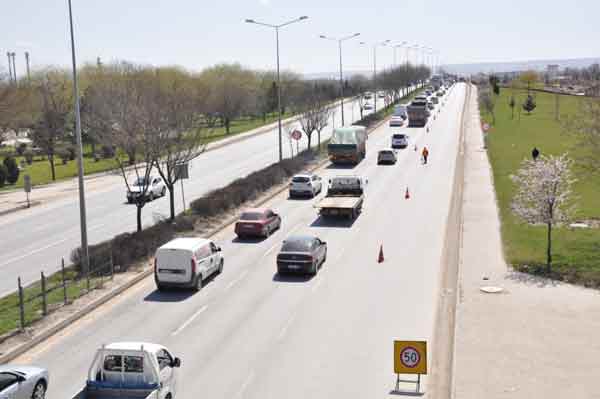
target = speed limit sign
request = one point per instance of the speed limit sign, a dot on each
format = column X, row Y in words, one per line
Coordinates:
column 410, row 357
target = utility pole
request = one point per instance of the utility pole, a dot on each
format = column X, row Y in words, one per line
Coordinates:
column 82, row 213
column 10, row 78
column 13, row 54
column 27, row 63
column 384, row 43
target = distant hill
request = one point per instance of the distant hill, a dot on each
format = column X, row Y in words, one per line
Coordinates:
column 514, row 66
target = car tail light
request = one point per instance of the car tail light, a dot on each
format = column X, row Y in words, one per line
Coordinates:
column 193, row 265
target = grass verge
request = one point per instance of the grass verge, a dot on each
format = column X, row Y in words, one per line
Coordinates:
column 576, row 252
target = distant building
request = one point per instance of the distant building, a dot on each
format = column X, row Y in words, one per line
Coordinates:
column 552, row 70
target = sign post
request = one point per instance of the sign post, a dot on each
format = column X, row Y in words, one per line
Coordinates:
column 182, row 171
column 410, row 357
column 486, row 128
column 297, row 135
column 27, row 187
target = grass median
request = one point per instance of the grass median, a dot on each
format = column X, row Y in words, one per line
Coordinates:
column 576, row 251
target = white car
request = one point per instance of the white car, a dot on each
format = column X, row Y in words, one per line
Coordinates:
column 367, row 107
column 186, row 262
column 153, row 187
column 23, row 382
column 399, row 140
column 396, row 121
column 309, row 185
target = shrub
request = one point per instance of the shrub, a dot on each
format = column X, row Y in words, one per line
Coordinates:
column 28, row 156
column 21, row 149
column 72, row 152
column 3, row 174
column 64, row 154
column 12, row 170
column 107, row 151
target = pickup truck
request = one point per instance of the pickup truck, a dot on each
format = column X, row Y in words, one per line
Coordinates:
column 131, row 370
column 345, row 195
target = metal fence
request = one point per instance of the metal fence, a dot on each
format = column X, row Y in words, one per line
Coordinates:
column 42, row 297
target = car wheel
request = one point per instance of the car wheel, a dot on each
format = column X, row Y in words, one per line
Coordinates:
column 220, row 270
column 163, row 192
column 324, row 257
column 199, row 283
column 39, row 391
column 267, row 232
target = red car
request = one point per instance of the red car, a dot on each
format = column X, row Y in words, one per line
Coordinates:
column 257, row 222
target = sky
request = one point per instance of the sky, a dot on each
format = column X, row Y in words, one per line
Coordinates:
column 197, row 34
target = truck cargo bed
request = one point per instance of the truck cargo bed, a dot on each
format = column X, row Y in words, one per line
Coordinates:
column 338, row 202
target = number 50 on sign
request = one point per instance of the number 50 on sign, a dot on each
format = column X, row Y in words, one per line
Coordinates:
column 410, row 357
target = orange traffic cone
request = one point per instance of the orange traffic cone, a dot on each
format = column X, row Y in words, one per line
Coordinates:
column 407, row 194
column 380, row 258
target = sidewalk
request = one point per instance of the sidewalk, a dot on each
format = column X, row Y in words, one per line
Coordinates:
column 536, row 339
column 15, row 200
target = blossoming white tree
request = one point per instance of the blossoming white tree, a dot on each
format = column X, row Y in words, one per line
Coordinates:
column 544, row 194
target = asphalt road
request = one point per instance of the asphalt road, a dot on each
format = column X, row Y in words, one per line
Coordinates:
column 251, row 333
column 41, row 236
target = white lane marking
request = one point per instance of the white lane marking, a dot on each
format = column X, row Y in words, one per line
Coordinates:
column 245, row 385
column 285, row 327
column 16, row 258
column 96, row 227
column 191, row 319
column 298, row 226
column 237, row 280
column 271, row 250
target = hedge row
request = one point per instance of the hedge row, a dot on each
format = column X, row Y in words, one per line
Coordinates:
column 127, row 248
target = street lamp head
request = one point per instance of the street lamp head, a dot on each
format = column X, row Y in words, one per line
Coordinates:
column 322, row 36
column 303, row 17
column 356, row 34
column 250, row 21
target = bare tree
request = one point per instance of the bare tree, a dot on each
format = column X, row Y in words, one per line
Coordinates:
column 487, row 102
column 544, row 194
column 314, row 113
column 585, row 126
column 176, row 126
column 51, row 106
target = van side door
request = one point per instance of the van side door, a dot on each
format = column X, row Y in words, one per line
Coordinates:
column 204, row 260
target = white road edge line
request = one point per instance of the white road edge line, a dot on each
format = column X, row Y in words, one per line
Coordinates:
column 285, row 327
column 317, row 284
column 237, row 280
column 271, row 249
column 245, row 385
column 191, row 319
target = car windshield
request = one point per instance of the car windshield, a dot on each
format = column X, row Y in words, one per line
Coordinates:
column 300, row 179
column 141, row 181
column 296, row 246
column 251, row 216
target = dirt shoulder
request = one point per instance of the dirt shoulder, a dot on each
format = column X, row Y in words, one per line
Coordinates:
column 536, row 339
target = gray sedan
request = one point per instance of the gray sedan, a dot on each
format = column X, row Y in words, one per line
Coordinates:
column 23, row 382
column 305, row 254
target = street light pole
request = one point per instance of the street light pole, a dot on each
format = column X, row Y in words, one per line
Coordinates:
column 395, row 47
column 14, row 64
column 341, row 73
column 276, row 27
column 82, row 213
column 384, row 43
column 27, row 63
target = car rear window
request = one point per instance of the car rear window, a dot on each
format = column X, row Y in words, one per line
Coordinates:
column 300, row 179
column 251, row 216
column 296, row 246
column 132, row 364
column 398, row 136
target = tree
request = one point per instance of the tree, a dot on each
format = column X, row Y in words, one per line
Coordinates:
column 511, row 104
column 12, row 170
column 544, row 194
column 51, row 106
column 231, row 91
column 487, row 102
column 175, row 124
column 585, row 126
column 529, row 104
column 529, row 78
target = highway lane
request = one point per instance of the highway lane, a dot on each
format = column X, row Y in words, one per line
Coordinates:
column 253, row 334
column 42, row 235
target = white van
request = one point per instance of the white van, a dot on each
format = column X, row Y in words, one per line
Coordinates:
column 186, row 262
